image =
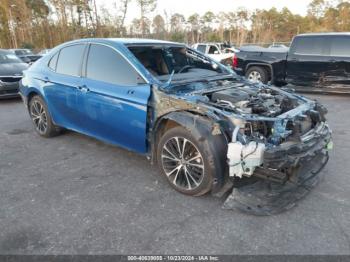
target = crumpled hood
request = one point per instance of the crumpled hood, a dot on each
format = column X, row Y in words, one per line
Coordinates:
column 12, row 69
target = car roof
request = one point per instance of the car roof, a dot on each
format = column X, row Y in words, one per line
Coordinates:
column 327, row 33
column 5, row 51
column 210, row 43
column 127, row 41
column 19, row 49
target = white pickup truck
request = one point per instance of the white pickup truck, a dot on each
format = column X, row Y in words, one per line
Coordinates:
column 213, row 50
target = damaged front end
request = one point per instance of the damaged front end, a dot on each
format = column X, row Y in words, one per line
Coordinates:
column 279, row 140
column 287, row 174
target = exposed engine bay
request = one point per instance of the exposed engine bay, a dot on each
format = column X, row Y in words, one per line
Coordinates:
column 264, row 119
column 277, row 137
column 276, row 141
column 247, row 101
column 268, row 115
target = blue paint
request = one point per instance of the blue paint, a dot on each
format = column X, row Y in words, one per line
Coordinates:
column 112, row 113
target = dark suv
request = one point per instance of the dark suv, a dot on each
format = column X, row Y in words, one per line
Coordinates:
column 314, row 62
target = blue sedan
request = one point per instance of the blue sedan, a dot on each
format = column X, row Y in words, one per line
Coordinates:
column 204, row 126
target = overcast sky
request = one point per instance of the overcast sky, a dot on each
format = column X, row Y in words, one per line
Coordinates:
column 188, row 7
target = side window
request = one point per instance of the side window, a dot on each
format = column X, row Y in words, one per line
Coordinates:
column 107, row 65
column 340, row 46
column 69, row 60
column 310, row 45
column 212, row 49
column 53, row 62
column 201, row 48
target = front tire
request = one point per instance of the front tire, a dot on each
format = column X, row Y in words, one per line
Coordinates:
column 41, row 118
column 184, row 161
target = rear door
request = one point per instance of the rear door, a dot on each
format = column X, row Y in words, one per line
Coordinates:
column 339, row 63
column 308, row 61
column 114, row 99
column 62, row 85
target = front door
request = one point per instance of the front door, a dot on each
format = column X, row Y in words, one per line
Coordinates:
column 113, row 99
column 339, row 62
column 307, row 62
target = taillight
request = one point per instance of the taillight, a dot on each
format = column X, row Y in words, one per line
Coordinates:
column 234, row 61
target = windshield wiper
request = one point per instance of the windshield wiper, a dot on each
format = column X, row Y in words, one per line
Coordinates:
column 168, row 82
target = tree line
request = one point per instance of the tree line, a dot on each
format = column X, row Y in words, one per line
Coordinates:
column 47, row 23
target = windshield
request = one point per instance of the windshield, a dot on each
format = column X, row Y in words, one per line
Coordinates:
column 183, row 62
column 23, row 52
column 9, row 59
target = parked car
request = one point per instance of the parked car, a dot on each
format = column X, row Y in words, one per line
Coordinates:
column 11, row 68
column 26, row 55
column 203, row 125
column 314, row 62
column 215, row 52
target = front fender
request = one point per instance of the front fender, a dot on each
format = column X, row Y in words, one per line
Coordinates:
column 206, row 131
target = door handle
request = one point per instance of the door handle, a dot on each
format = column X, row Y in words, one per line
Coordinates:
column 332, row 60
column 295, row 59
column 83, row 88
column 131, row 92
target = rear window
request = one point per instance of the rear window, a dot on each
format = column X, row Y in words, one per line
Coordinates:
column 340, row 46
column 69, row 60
column 201, row 48
column 53, row 62
column 315, row 45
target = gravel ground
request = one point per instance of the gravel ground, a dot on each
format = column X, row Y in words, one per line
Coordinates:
column 75, row 195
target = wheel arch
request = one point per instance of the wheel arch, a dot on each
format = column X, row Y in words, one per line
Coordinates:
column 29, row 96
column 263, row 65
column 207, row 130
column 35, row 92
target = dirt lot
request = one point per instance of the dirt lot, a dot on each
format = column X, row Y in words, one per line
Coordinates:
column 75, row 195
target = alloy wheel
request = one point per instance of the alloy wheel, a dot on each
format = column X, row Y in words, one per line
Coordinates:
column 182, row 163
column 254, row 77
column 39, row 117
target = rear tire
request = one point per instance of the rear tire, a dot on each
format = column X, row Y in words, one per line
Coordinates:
column 257, row 74
column 41, row 118
column 184, row 161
